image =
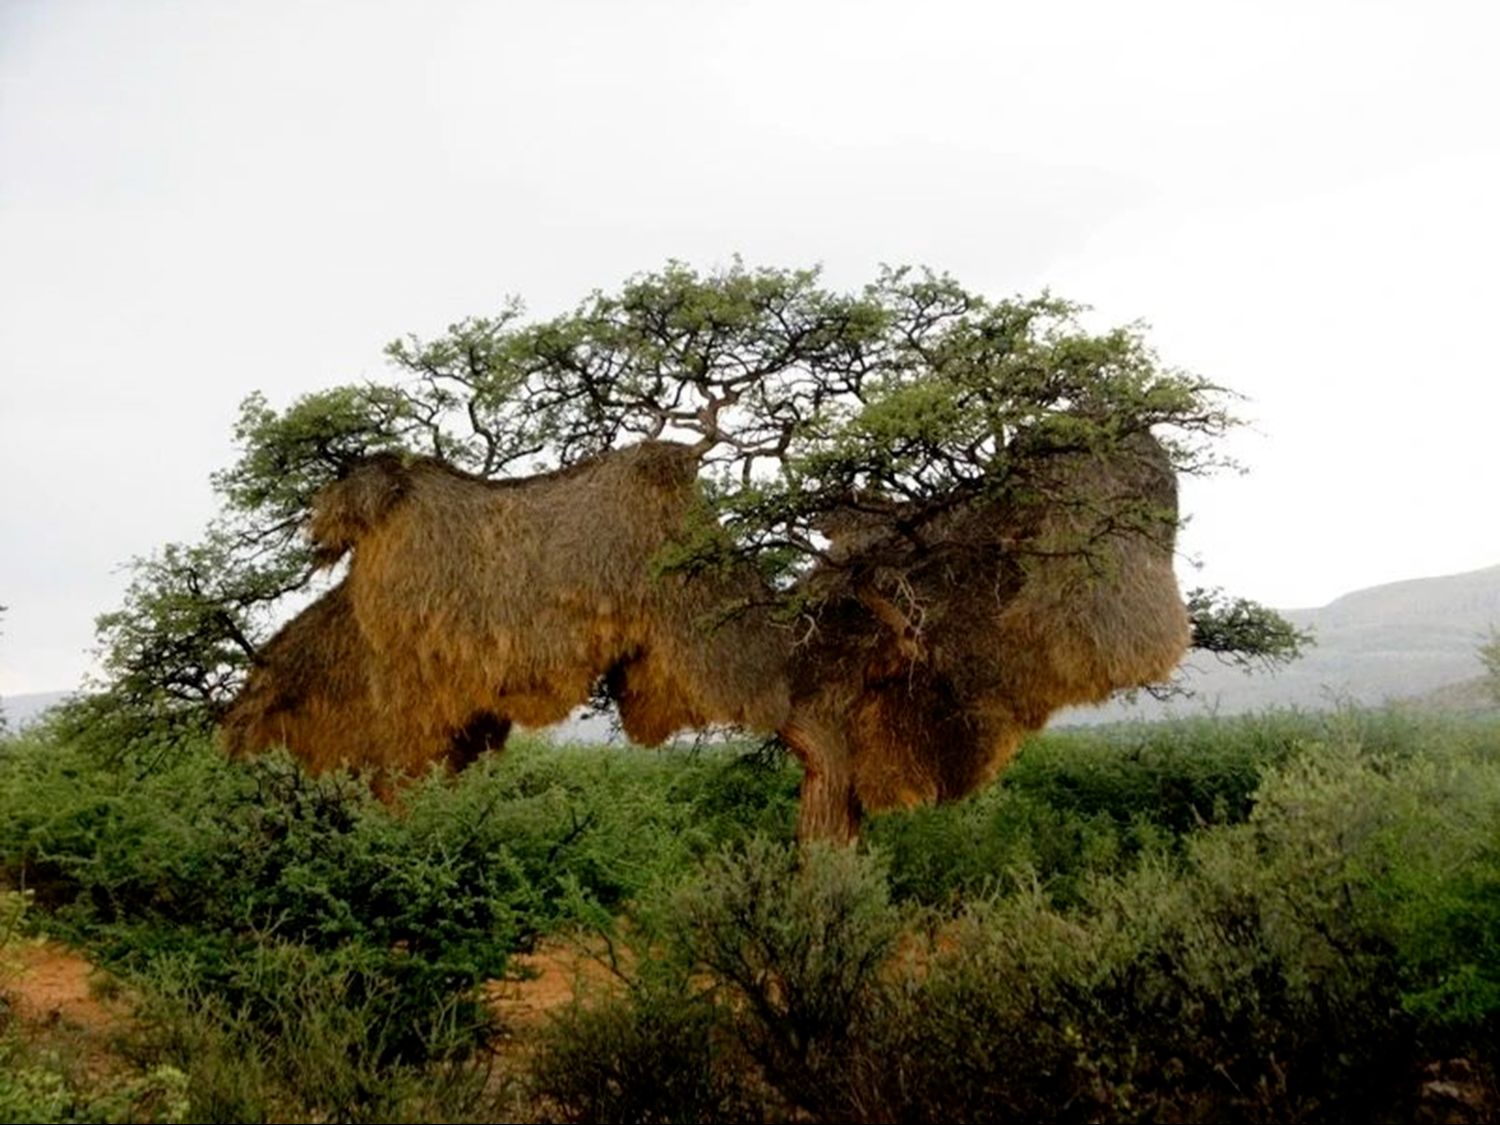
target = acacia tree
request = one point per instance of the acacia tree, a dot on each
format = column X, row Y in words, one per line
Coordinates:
column 900, row 403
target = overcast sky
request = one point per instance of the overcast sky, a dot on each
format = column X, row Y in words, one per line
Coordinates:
column 200, row 199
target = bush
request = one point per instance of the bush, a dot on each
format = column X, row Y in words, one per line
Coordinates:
column 655, row 1054
column 255, row 897
column 302, row 1048
column 1263, row 919
column 758, row 976
column 42, row 1087
column 234, row 875
column 1305, row 961
column 1179, row 775
column 946, row 856
column 1086, row 801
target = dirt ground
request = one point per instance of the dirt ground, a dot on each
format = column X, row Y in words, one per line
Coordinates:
column 545, row 980
column 49, row 985
column 55, row 992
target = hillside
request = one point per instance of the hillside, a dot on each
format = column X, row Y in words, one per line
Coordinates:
column 1396, row 641
column 19, row 710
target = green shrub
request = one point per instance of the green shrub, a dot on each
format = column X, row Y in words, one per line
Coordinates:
column 1303, row 962
column 302, row 1048
column 945, row 856
column 1407, row 853
column 42, row 1087
column 50, row 1082
column 1179, row 775
column 758, row 977
column 662, row 1052
column 796, row 939
column 1086, row 801
column 257, row 883
column 240, row 872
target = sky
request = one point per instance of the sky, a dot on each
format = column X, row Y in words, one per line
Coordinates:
column 203, row 198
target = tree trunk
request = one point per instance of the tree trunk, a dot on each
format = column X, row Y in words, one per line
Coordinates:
column 829, row 808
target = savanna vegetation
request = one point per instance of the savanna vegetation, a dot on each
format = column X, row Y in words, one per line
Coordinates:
column 1283, row 917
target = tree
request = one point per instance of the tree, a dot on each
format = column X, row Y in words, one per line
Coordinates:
column 898, row 404
column 4, row 722
column 1489, row 656
column 1242, row 632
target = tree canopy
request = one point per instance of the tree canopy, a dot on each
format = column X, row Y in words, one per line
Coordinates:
column 898, row 402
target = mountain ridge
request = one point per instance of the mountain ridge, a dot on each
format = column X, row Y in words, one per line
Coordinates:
column 1394, row 641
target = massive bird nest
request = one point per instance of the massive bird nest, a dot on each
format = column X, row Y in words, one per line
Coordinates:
column 469, row 601
column 918, row 654
column 931, row 659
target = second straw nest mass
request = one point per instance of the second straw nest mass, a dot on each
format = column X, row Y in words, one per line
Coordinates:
column 897, row 529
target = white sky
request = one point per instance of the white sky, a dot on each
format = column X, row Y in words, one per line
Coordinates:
column 203, row 198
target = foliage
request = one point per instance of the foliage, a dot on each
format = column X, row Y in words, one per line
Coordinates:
column 1279, row 917
column 899, row 402
column 253, row 880
column 1241, row 631
column 1085, row 801
column 43, row 1083
column 307, row 1056
column 189, row 628
column 260, row 895
column 1300, row 963
column 304, row 952
column 42, row 1087
column 655, row 1054
column 1302, row 936
column 795, row 937
column 759, row 976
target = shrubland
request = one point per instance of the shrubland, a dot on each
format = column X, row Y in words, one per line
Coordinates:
column 1278, row 917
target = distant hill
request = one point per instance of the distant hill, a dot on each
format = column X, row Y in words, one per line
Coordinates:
column 23, row 709
column 1398, row 641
